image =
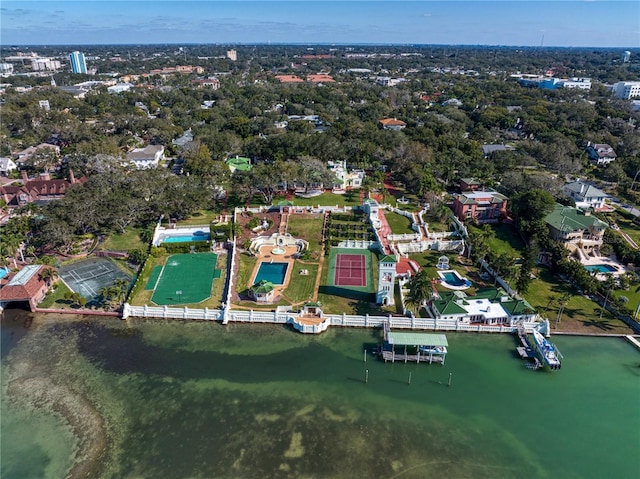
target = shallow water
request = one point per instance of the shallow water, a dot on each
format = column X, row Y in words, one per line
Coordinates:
column 242, row 401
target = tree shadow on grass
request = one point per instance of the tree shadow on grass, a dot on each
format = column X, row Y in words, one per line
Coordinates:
column 602, row 325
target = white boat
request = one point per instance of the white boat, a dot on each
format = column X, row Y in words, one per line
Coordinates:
column 432, row 349
column 547, row 351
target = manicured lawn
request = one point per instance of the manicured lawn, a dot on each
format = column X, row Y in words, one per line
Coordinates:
column 309, row 228
column 429, row 259
column 246, row 265
column 55, row 299
column 506, row 239
column 138, row 295
column 580, row 313
column 625, row 222
column 125, row 242
column 399, row 224
column 302, row 287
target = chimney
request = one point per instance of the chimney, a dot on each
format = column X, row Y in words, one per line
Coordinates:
column 72, row 178
column 25, row 177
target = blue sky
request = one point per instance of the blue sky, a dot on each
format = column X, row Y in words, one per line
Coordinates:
column 597, row 23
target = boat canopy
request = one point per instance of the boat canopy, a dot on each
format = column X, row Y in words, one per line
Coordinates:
column 416, row 339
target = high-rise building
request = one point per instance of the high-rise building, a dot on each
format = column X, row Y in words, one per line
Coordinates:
column 232, row 55
column 626, row 56
column 78, row 64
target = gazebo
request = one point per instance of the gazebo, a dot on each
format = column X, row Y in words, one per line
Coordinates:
column 443, row 262
column 263, row 291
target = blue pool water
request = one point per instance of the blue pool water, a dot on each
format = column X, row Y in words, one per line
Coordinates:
column 454, row 280
column 273, row 272
column 197, row 236
column 3, row 272
column 601, row 268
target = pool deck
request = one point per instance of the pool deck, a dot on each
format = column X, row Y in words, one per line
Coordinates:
column 603, row 260
column 267, row 255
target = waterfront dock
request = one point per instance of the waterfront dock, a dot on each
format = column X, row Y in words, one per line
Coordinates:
column 417, row 347
column 525, row 351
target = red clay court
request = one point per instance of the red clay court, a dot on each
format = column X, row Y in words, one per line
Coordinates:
column 351, row 270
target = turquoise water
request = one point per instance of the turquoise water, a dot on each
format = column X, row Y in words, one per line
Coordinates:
column 454, row 280
column 602, row 268
column 188, row 238
column 3, row 272
column 272, row 272
column 200, row 400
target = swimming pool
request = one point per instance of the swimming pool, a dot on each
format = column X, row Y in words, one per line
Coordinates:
column 451, row 279
column 273, row 272
column 601, row 268
column 197, row 236
column 3, row 272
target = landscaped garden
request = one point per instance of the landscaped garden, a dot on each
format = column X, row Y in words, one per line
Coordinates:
column 398, row 223
column 348, row 226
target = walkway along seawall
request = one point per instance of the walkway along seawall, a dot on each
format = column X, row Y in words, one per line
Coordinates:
column 323, row 323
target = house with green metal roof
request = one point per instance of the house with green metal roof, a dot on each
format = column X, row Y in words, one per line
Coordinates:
column 491, row 306
column 239, row 163
column 262, row 292
column 575, row 227
column 480, row 206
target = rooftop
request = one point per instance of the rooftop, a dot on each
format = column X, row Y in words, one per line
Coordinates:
column 417, row 339
column 24, row 275
column 566, row 218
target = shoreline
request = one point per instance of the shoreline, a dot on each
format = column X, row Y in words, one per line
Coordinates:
column 29, row 384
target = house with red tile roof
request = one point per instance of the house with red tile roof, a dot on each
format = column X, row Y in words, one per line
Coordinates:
column 26, row 285
column 392, row 124
column 289, row 79
column 320, row 78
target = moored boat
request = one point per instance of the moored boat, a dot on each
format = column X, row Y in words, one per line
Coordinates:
column 547, row 351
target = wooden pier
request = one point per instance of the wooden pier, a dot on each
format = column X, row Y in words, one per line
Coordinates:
column 411, row 358
column 525, row 351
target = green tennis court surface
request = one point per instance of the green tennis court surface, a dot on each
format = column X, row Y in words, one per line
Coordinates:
column 185, row 279
column 153, row 279
column 350, row 269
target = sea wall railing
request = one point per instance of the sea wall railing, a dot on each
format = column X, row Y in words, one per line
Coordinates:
column 342, row 320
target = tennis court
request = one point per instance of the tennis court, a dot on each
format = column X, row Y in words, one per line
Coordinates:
column 350, row 270
column 89, row 276
column 185, row 279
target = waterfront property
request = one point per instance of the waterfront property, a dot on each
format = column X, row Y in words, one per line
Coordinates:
column 183, row 279
column 88, row 277
column 27, row 285
column 579, row 231
column 489, row 306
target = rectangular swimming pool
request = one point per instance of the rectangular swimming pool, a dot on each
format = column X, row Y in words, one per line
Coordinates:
column 272, row 272
column 601, row 268
column 187, row 238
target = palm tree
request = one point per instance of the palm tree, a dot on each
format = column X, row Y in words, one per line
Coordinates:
column 420, row 289
column 48, row 275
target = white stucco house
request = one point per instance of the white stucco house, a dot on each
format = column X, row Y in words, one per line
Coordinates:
column 147, row 157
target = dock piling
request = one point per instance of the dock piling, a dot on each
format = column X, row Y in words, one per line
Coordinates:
column 449, row 384
column 409, row 378
column 366, row 376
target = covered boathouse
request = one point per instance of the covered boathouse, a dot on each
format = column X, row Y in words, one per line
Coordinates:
column 414, row 347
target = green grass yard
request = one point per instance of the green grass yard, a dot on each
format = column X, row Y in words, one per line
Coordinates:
column 399, row 224
column 309, row 228
column 55, row 297
column 506, row 239
column 124, row 242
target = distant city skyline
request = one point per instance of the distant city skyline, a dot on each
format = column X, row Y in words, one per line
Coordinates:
column 587, row 23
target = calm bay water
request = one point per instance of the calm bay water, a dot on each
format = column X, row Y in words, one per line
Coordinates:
column 169, row 399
